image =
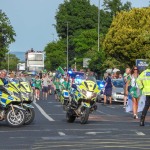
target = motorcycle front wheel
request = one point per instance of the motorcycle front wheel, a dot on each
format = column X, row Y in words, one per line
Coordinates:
column 85, row 111
column 70, row 117
column 15, row 119
column 30, row 115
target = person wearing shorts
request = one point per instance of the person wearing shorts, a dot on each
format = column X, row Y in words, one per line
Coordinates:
column 45, row 86
column 38, row 85
column 57, row 85
column 50, row 83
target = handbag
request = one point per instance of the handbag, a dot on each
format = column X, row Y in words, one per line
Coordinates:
column 135, row 91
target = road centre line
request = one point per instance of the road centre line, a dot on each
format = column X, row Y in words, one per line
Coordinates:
column 140, row 133
column 61, row 133
column 43, row 112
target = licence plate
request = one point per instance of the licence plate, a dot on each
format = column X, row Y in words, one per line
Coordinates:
column 120, row 96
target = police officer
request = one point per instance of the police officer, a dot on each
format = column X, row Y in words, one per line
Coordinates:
column 143, row 82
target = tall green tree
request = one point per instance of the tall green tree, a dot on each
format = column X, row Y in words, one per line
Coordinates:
column 7, row 34
column 79, row 14
column 86, row 46
column 114, row 6
column 129, row 36
column 55, row 54
column 13, row 61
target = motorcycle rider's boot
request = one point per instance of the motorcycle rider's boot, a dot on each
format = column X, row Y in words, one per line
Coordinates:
column 142, row 120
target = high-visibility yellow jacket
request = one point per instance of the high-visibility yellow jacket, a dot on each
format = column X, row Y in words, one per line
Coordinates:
column 143, row 82
column 1, row 82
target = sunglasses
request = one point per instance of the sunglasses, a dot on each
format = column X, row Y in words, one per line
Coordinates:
column 135, row 69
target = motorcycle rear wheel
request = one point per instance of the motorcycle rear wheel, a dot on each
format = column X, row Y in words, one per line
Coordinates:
column 30, row 115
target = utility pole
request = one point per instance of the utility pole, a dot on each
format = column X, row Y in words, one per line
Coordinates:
column 67, row 44
column 8, row 62
column 98, row 25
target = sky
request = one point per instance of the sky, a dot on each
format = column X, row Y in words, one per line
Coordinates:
column 33, row 21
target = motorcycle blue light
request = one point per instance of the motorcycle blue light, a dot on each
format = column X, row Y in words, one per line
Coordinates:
column 70, row 72
column 101, row 85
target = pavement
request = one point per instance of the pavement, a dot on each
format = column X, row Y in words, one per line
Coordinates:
column 109, row 128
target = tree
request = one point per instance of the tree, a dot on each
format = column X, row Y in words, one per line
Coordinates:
column 79, row 14
column 55, row 54
column 114, row 6
column 129, row 36
column 13, row 61
column 6, row 35
column 86, row 47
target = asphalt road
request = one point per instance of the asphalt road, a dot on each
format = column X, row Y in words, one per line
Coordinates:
column 109, row 128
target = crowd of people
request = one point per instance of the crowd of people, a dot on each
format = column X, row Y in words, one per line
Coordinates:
column 135, row 85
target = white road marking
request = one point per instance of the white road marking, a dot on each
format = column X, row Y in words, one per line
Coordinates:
column 46, row 130
column 57, row 114
column 53, row 102
column 104, row 113
column 17, row 137
column 94, row 133
column 58, row 105
column 61, row 133
column 99, row 130
column 140, row 133
column 111, row 107
column 43, row 112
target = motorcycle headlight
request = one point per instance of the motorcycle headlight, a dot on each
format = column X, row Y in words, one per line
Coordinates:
column 89, row 94
column 24, row 95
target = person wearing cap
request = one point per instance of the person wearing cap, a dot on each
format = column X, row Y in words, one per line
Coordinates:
column 143, row 82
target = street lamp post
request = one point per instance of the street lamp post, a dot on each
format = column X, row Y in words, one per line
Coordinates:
column 67, row 45
column 8, row 62
column 75, row 66
column 98, row 25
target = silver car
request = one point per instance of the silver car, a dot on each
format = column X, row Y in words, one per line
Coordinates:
column 117, row 92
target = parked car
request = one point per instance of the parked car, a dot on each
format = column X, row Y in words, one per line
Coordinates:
column 117, row 92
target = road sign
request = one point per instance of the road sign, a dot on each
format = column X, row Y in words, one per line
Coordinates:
column 21, row 66
column 86, row 62
column 142, row 64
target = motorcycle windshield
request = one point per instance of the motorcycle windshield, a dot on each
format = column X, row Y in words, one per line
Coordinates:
column 91, row 78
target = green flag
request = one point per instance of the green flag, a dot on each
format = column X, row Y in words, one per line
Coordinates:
column 60, row 70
